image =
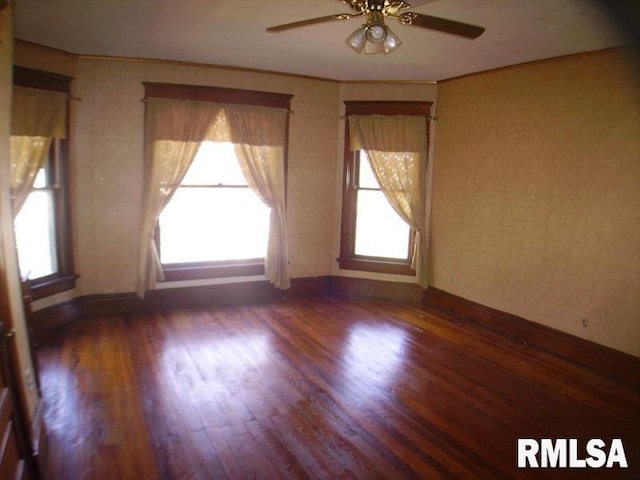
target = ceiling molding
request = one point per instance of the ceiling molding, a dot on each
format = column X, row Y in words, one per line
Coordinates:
column 539, row 62
column 167, row 62
column 307, row 77
column 57, row 51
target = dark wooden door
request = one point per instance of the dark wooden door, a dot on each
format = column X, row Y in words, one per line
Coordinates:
column 12, row 452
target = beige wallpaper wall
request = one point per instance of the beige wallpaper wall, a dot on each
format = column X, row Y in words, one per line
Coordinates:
column 43, row 58
column 536, row 206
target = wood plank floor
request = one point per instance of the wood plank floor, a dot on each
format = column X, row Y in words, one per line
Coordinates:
column 314, row 388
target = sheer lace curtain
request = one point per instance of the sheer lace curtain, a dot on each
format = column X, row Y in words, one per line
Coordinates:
column 259, row 138
column 174, row 131
column 396, row 146
column 37, row 118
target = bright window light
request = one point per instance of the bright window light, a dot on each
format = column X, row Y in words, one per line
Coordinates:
column 35, row 232
column 214, row 215
column 380, row 232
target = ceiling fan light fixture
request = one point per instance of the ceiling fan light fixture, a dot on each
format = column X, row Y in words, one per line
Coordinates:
column 374, row 48
column 392, row 42
column 376, row 33
column 357, row 39
column 384, row 39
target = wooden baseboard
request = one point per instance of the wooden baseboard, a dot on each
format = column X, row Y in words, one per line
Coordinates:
column 166, row 298
column 351, row 288
column 54, row 317
column 50, row 318
column 605, row 360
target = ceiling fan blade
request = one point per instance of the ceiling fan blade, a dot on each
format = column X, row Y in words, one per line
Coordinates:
column 311, row 21
column 440, row 24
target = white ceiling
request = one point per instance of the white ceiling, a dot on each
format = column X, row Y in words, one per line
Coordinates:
column 232, row 33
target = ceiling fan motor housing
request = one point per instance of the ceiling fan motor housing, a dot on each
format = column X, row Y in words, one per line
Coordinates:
column 375, row 5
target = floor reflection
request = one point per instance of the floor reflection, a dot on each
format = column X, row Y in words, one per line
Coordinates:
column 63, row 386
column 218, row 375
column 372, row 360
column 236, row 353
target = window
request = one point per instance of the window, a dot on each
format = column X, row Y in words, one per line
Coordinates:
column 42, row 225
column 35, row 228
column 214, row 218
column 379, row 230
column 373, row 236
column 214, row 224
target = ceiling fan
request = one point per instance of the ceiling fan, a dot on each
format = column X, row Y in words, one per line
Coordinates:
column 375, row 36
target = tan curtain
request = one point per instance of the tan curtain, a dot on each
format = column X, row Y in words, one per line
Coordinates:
column 37, row 118
column 259, row 138
column 28, row 155
column 396, row 147
column 173, row 133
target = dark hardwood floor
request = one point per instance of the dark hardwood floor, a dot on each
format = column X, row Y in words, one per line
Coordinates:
column 314, row 388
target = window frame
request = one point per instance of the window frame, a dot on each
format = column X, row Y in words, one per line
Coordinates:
column 209, row 269
column 224, row 268
column 65, row 277
column 348, row 259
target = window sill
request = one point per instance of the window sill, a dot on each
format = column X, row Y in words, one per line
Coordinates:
column 198, row 271
column 376, row 266
column 47, row 286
